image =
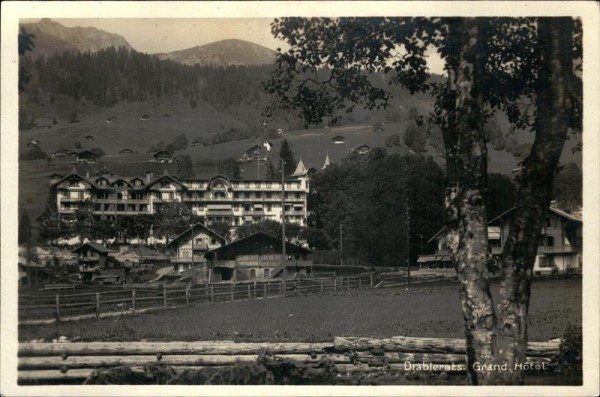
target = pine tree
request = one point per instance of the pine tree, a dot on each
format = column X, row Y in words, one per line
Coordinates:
column 286, row 154
column 271, row 173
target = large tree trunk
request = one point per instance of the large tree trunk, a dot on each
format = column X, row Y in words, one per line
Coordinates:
column 535, row 184
column 466, row 160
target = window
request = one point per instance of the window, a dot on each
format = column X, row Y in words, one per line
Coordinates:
column 267, row 273
column 102, row 195
column 119, row 196
column 247, row 185
column 219, row 195
column 269, row 195
column 252, row 273
column 268, row 184
column 269, row 207
column 550, row 241
column 544, row 262
column 164, row 183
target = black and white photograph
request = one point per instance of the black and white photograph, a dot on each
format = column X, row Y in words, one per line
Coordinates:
column 359, row 198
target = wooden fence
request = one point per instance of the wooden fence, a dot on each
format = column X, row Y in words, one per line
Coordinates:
column 45, row 363
column 45, row 308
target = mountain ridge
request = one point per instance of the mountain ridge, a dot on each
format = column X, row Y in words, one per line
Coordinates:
column 52, row 37
column 228, row 52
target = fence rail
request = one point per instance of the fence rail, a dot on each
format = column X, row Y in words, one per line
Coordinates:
column 63, row 307
column 46, row 363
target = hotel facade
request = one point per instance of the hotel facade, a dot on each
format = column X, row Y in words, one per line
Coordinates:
column 218, row 199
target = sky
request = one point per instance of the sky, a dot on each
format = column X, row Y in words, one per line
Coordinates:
column 156, row 35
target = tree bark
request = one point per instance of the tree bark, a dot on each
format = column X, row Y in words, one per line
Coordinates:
column 553, row 102
column 466, row 220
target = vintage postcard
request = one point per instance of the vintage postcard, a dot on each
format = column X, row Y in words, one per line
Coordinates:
column 300, row 198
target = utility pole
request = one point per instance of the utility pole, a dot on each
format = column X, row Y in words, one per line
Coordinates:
column 408, row 240
column 192, row 245
column 284, row 256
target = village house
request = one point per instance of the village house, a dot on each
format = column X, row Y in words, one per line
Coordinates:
column 163, row 156
column 257, row 257
column 190, row 247
column 218, row 199
column 559, row 250
column 362, row 150
column 93, row 260
column 86, row 157
column 126, row 151
column 338, row 140
column 255, row 153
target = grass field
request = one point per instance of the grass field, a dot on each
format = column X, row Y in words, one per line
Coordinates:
column 417, row 311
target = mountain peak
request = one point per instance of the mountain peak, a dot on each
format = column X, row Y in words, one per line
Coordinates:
column 227, row 52
column 52, row 37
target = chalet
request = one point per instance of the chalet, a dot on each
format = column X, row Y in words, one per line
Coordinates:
column 163, row 156
column 92, row 259
column 126, row 151
column 86, row 157
column 362, row 149
column 338, row 140
column 60, row 153
column 559, row 250
column 279, row 131
column 111, row 119
column 89, row 138
column 144, row 117
column 108, row 279
column 255, row 153
column 190, row 247
column 197, row 143
column 258, row 256
column 166, row 116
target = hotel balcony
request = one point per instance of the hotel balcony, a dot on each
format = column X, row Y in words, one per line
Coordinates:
column 542, row 250
column 88, row 269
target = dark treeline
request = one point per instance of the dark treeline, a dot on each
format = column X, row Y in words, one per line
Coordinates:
column 112, row 75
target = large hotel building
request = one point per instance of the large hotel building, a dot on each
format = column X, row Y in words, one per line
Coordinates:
column 217, row 199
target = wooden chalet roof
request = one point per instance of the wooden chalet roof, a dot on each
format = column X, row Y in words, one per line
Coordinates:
column 260, row 238
column 95, row 247
column 197, row 227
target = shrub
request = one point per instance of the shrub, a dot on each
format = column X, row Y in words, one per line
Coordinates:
column 570, row 354
column 34, row 153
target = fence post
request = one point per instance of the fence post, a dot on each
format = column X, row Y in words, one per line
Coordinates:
column 165, row 297
column 133, row 299
column 265, row 292
column 249, row 292
column 321, row 285
column 280, row 289
column 187, row 295
column 57, row 307
column 359, row 282
column 212, row 293
column 334, row 283
column 206, row 293
column 348, row 283
column 371, row 276
column 97, row 304
column 232, row 292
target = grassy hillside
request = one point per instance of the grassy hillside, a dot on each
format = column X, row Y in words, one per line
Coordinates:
column 310, row 145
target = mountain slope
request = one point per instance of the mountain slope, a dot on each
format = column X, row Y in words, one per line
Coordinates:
column 52, row 37
column 223, row 53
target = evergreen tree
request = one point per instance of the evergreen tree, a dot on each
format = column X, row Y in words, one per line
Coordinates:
column 271, row 174
column 286, row 154
column 24, row 228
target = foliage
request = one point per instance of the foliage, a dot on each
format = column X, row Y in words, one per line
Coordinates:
column 25, row 44
column 51, row 225
column 270, row 227
column 286, row 154
column 221, row 228
column 271, row 174
column 317, row 239
column 366, row 196
column 230, row 168
column 84, row 220
column 568, row 187
column 24, row 228
column 34, row 153
column 570, row 352
column 500, row 196
column 392, row 140
column 185, row 167
column 172, row 219
column 98, row 152
column 414, row 138
column 180, row 142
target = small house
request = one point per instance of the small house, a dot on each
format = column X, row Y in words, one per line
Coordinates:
column 111, row 119
column 163, row 156
column 279, row 131
column 338, row 140
column 86, row 156
column 89, row 138
column 255, row 153
column 197, row 143
column 257, row 257
column 33, row 143
column 107, row 279
column 362, row 149
column 166, row 116
column 191, row 245
column 92, row 259
column 144, row 117
column 126, row 151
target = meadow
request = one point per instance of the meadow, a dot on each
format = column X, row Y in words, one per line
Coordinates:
column 432, row 311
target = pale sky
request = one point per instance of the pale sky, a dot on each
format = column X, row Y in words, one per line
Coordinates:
column 155, row 35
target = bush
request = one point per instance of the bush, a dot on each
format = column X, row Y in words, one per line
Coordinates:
column 414, row 138
column 392, row 140
column 570, row 354
column 34, row 153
